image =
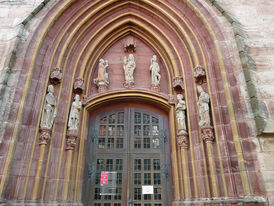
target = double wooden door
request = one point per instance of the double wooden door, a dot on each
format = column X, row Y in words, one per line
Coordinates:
column 132, row 143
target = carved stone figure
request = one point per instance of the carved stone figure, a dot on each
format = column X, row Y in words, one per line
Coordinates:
column 182, row 138
column 180, row 115
column 102, row 78
column 178, row 83
column 74, row 116
column 49, row 109
column 203, row 105
column 56, row 75
column 129, row 67
column 155, row 71
column 79, row 85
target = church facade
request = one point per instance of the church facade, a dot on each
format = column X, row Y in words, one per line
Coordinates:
column 136, row 102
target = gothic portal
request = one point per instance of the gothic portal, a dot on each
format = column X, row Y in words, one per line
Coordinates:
column 138, row 94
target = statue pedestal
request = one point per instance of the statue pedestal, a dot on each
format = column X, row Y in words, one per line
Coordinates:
column 155, row 87
column 102, row 88
column 182, row 140
column 44, row 136
column 128, row 85
column 207, row 134
column 72, row 136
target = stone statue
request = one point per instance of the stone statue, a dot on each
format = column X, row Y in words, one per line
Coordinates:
column 74, row 116
column 180, row 115
column 155, row 71
column 102, row 78
column 203, row 105
column 49, row 109
column 129, row 67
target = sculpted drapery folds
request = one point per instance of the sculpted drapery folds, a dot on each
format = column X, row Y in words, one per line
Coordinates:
column 129, row 67
column 49, row 109
column 180, row 115
column 203, row 106
column 155, row 71
column 102, row 77
column 74, row 116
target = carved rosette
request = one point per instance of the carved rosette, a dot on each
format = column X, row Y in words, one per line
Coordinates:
column 71, row 140
column 182, row 141
column 207, row 134
column 79, row 85
column 200, row 75
column 44, row 136
column 56, row 75
column 178, row 83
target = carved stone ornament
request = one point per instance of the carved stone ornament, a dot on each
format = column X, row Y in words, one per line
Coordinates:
column 49, row 109
column 44, row 136
column 102, row 78
column 200, row 74
column 56, row 75
column 203, row 106
column 171, row 99
column 178, row 83
column 207, row 134
column 129, row 68
column 182, row 141
column 155, row 71
column 79, row 85
column 181, row 122
column 74, row 115
column 71, row 140
column 130, row 44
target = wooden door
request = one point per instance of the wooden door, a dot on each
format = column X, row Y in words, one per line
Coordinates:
column 131, row 142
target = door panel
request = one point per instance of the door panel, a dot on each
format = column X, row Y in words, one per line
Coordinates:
column 133, row 143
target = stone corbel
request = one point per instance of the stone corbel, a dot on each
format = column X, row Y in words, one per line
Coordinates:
column 178, row 83
column 171, row 99
column 44, row 136
column 207, row 134
column 56, row 75
column 79, row 85
column 200, row 75
column 182, row 141
column 71, row 140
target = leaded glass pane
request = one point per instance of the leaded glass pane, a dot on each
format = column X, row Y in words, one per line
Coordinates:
column 120, row 143
column 120, row 118
column 147, row 197
column 137, row 194
column 157, row 194
column 119, row 178
column 147, row 164
column 102, row 130
column 120, row 130
column 110, row 143
column 100, row 164
column 146, row 119
column 156, row 164
column 137, row 143
column 101, row 143
column 111, row 130
column 147, row 179
column 137, row 164
column 146, row 130
column 148, row 204
column 137, row 130
column 155, row 130
column 155, row 120
column 137, row 178
column 137, row 118
column 119, row 164
column 103, row 120
column 155, row 143
column 111, row 119
column 157, row 178
column 109, row 166
column 146, row 143
column 97, row 195
column 118, row 195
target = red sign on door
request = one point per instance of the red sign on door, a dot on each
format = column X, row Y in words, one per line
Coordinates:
column 104, row 179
